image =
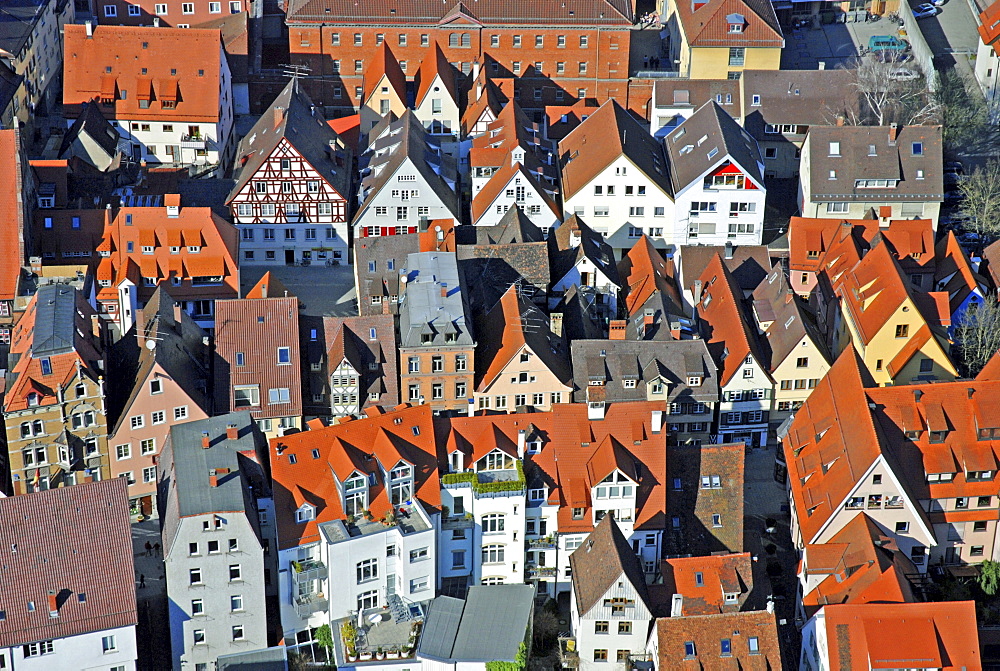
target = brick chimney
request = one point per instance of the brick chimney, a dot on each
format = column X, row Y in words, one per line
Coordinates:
column 893, row 131
column 213, row 478
column 232, row 433
column 206, row 442
column 444, row 290
column 279, row 116
column 178, row 315
column 616, row 329
column 53, row 604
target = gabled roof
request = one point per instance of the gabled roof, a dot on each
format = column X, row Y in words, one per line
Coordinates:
column 789, row 322
column 91, row 122
column 384, row 64
column 693, row 93
column 648, row 280
column 293, row 118
column 749, row 264
column 799, row 97
column 604, row 558
column 706, row 24
column 608, row 133
column 484, row 98
column 514, row 227
column 725, row 324
column 431, row 68
column 85, row 569
column 954, row 273
column 366, row 445
column 134, row 56
column 365, row 341
column 513, row 130
column 483, row 201
column 573, row 241
column 268, row 286
column 722, row 466
column 392, row 142
column 940, row 635
column 825, row 454
column 703, row 582
column 433, row 303
column 860, row 564
column 710, row 138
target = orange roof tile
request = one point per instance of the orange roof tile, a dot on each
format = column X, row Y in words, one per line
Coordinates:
column 116, row 57
column 483, row 201
column 384, row 64
column 402, row 434
column 268, row 286
column 706, row 24
column 11, row 212
column 989, row 26
column 704, row 582
column 644, row 272
column 925, row 635
column 431, row 67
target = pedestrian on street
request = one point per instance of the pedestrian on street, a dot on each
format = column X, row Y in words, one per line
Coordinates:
column 149, row 549
column 142, row 580
column 156, row 547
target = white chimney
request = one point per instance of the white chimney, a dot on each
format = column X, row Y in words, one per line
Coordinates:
column 677, row 606
column 472, row 407
column 90, row 28
column 156, row 22
column 520, row 443
column 475, row 71
column 657, row 421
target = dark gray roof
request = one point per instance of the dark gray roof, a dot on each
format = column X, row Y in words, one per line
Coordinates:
column 800, row 97
column 601, row 561
column 192, row 462
column 293, row 117
column 563, row 256
column 776, row 302
column 513, row 227
column 91, row 122
column 693, row 93
column 489, row 270
column 55, row 321
column 10, row 82
column 17, row 22
column 488, row 626
column 704, row 141
column 212, row 192
column 268, row 659
column 444, row 615
column 644, row 360
column 384, row 279
column 749, row 264
column 893, row 159
column 394, row 141
column 425, row 311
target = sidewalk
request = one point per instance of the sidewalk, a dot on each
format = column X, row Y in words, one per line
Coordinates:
column 153, row 631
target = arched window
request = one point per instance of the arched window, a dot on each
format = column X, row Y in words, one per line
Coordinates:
column 493, row 524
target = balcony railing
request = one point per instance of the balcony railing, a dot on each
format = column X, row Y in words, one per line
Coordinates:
column 540, row 571
column 541, row 544
column 309, row 569
column 307, row 604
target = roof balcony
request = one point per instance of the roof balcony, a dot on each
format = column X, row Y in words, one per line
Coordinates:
column 309, row 569
column 307, row 604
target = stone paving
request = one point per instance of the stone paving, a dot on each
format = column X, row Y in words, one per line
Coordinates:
column 153, row 631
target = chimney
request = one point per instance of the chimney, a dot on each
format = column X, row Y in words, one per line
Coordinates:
column 263, row 290
column 695, row 297
column 279, row 116
column 232, row 433
column 677, row 605
column 845, row 229
column 729, row 250
column 53, row 604
column 971, row 390
column 840, row 120
column 178, row 315
column 556, row 323
column 90, row 29
column 213, row 478
column 657, row 421
column 206, row 442
column 475, row 73
column 156, row 22
column 917, row 393
column 520, row 443
column 472, row 407
column 893, row 130
column 172, row 201
column 616, row 329
column 385, row 308
column 479, row 91
column 444, row 290
column 95, row 326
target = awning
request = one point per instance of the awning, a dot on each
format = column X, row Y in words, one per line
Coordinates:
column 205, row 266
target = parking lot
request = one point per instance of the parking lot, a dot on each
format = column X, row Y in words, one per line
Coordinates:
column 831, row 45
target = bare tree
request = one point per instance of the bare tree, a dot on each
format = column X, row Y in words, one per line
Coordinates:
column 981, row 206
column 977, row 335
column 890, row 92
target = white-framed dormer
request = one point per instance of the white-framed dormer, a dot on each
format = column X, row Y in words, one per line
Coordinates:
column 496, row 460
column 305, row 513
column 615, row 495
column 400, row 483
column 355, row 494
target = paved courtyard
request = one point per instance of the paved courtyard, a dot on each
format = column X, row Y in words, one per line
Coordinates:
column 321, row 290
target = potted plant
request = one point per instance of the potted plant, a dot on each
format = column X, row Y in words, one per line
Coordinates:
column 393, row 653
column 445, row 512
column 406, row 650
column 380, row 653
column 296, row 566
column 390, row 519
column 368, row 515
column 365, row 656
column 468, row 516
column 351, row 519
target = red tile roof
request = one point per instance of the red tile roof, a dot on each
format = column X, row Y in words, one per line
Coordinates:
column 644, row 272
column 384, row 64
column 940, row 635
column 707, row 632
column 431, row 67
column 989, row 26
column 268, row 286
column 11, row 212
column 706, row 24
column 402, row 434
column 193, row 70
column 954, row 273
column 704, row 582
column 860, row 565
column 729, row 334
column 86, row 565
column 484, row 200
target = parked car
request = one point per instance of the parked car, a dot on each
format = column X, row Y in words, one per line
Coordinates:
column 937, row 3
column 925, row 11
column 887, row 43
column 902, row 74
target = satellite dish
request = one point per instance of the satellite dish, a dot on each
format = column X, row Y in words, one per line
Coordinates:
column 403, row 279
column 150, row 344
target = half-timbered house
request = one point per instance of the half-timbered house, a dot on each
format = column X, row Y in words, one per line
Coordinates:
column 292, row 180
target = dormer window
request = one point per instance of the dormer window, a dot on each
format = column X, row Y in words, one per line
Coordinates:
column 497, row 460
column 400, row 484
column 615, row 486
column 355, row 494
column 305, row 513
column 736, row 22
column 694, row 381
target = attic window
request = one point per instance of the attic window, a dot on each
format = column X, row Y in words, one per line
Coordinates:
column 736, row 27
column 917, row 148
column 305, row 513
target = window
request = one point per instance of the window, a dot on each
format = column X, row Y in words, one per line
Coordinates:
column 110, row 10
column 149, row 474
column 689, row 649
column 420, row 554
column 367, row 570
column 197, row 607
column 37, row 649
column 493, row 524
column 600, row 655
column 199, row 636
column 245, row 396
column 625, row 627
column 601, row 627
column 716, row 520
column 979, row 526
column 726, row 647
column 284, row 356
column 902, row 330
column 418, row 585
column 737, row 56
column 493, row 554
column 195, row 576
column 237, row 632
column 902, row 527
column 235, row 572
column 187, row 8
column 278, row 395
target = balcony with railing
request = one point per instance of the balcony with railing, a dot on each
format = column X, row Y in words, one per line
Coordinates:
column 309, row 569
column 534, row 571
column 192, row 141
column 547, row 543
column 307, row 604
column 489, row 484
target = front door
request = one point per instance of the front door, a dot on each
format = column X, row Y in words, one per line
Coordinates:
column 390, row 585
column 952, row 555
column 289, row 257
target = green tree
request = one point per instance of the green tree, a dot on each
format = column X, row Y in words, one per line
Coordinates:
column 981, row 205
column 324, row 637
column 989, row 576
